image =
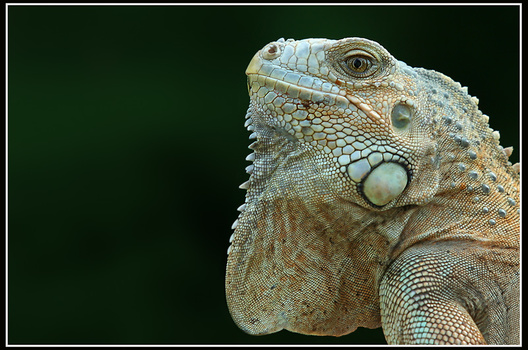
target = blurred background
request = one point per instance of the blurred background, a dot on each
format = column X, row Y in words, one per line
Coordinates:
column 126, row 147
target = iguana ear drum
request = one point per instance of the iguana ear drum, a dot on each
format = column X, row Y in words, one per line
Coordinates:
column 401, row 116
column 384, row 183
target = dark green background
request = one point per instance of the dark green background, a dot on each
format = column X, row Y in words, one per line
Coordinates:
column 126, row 147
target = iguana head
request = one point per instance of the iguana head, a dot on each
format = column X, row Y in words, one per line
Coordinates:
column 358, row 109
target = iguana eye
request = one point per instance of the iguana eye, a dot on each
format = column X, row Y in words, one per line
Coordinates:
column 360, row 63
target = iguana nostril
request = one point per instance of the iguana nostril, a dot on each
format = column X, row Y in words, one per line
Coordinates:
column 271, row 51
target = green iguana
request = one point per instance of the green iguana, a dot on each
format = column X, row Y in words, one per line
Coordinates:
column 378, row 196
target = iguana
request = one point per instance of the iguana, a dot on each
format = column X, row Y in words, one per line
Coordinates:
column 378, row 196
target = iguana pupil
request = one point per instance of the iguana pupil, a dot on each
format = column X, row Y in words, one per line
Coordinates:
column 359, row 64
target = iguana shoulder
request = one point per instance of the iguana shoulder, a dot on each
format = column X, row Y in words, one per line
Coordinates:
column 378, row 195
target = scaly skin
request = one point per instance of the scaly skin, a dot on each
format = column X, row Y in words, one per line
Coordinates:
column 378, row 196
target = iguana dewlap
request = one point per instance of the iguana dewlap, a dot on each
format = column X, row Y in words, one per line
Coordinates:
column 378, row 196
